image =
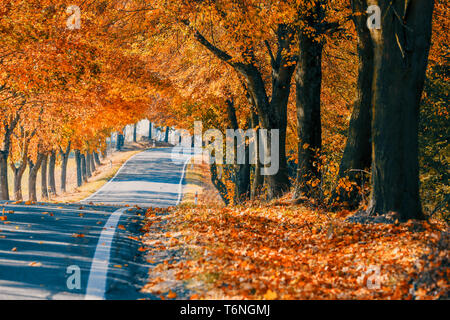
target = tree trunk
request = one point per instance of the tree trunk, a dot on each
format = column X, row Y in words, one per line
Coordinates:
column 64, row 160
column 79, row 168
column 91, row 156
column 4, row 188
column 32, row 175
column 401, row 50
column 88, row 165
column 18, row 174
column 135, row 132
column 241, row 171
column 220, row 186
column 119, row 141
column 166, row 138
column 258, row 179
column 8, row 129
column 150, row 129
column 308, row 80
column 357, row 153
column 97, row 159
column 273, row 111
column 51, row 173
column 44, row 186
column 83, row 167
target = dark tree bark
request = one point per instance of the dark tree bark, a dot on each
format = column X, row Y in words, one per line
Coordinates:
column 8, row 128
column 401, row 50
column 150, row 129
column 44, row 186
column 119, row 143
column 83, row 167
column 358, row 152
column 79, row 168
column 135, row 132
column 51, row 173
column 308, row 81
column 88, row 165
column 220, row 186
column 91, row 156
column 18, row 172
column 97, row 159
column 64, row 159
column 241, row 171
column 166, row 138
column 32, row 175
column 258, row 179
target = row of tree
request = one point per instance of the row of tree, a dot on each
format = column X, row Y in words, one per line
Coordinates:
column 225, row 55
column 231, row 64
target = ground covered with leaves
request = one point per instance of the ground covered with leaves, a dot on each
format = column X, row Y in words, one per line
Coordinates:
column 292, row 252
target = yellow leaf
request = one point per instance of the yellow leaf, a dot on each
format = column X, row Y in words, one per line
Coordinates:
column 270, row 295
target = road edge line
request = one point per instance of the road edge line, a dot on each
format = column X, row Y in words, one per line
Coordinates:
column 180, row 185
column 98, row 273
column 110, row 180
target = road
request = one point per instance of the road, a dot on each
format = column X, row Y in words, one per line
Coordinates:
column 43, row 245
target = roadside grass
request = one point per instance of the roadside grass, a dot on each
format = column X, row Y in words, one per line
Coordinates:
column 198, row 182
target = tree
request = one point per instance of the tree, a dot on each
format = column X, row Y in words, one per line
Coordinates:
column 357, row 158
column 401, row 50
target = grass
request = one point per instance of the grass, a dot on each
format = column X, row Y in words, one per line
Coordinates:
column 198, row 181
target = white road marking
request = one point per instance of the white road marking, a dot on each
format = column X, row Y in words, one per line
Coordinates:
column 98, row 273
column 180, row 185
column 99, row 268
column 111, row 180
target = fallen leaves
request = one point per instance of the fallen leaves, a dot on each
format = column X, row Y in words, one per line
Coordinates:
column 78, row 235
column 35, row 264
column 293, row 252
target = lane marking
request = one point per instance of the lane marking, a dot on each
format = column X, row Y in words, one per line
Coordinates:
column 180, row 185
column 98, row 273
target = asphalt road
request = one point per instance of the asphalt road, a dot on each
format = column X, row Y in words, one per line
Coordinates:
column 42, row 246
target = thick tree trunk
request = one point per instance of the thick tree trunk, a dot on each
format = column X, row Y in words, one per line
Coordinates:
column 88, row 165
column 83, row 167
column 356, row 159
column 119, row 141
column 308, row 81
column 150, row 129
column 18, row 174
column 51, row 173
column 64, row 160
column 79, row 168
column 91, row 156
column 44, row 186
column 258, row 179
column 97, row 159
column 220, row 186
column 166, row 138
column 4, row 188
column 8, row 129
column 32, row 175
column 401, row 54
column 135, row 132
column 241, row 171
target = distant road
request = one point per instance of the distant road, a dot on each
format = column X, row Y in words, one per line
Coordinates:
column 39, row 242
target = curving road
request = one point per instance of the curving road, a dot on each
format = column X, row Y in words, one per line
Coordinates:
column 42, row 244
